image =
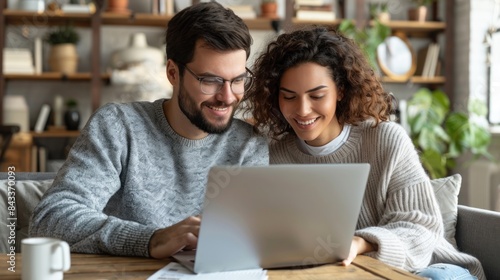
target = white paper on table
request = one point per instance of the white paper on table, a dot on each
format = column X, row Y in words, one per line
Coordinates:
column 175, row 271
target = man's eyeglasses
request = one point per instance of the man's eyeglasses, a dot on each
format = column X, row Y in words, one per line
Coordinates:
column 213, row 85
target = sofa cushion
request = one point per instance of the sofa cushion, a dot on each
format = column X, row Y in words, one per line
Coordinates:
column 446, row 191
column 27, row 195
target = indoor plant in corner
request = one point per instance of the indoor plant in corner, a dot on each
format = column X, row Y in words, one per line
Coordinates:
column 441, row 136
column 63, row 56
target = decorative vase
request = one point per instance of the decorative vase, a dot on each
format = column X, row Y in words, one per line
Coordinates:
column 63, row 58
column 118, row 6
column 72, row 119
column 269, row 10
column 137, row 52
column 384, row 16
column 417, row 14
column 16, row 111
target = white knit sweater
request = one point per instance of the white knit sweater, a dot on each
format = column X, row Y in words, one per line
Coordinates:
column 399, row 213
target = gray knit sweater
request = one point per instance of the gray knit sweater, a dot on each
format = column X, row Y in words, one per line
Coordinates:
column 399, row 213
column 129, row 174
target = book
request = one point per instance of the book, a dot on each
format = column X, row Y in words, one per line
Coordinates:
column 34, row 158
column 30, row 70
column 76, row 8
column 42, row 159
column 155, row 8
column 312, row 2
column 38, row 55
column 315, row 15
column 43, row 117
column 434, row 60
column 243, row 11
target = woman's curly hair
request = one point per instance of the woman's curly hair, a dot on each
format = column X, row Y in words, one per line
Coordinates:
column 362, row 94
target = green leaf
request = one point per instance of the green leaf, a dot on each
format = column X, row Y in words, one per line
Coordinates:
column 477, row 107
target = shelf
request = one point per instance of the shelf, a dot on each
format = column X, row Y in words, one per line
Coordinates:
column 18, row 17
column 143, row 19
column 48, row 76
column 135, row 19
column 416, row 80
column 336, row 22
column 415, row 28
column 55, row 134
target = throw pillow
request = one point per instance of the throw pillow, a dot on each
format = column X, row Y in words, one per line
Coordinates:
column 27, row 195
column 446, row 191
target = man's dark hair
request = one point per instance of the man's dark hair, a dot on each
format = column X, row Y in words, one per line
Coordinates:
column 217, row 26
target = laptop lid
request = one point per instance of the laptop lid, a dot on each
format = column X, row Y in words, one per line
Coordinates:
column 277, row 216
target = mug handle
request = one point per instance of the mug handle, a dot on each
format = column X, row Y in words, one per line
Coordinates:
column 66, row 256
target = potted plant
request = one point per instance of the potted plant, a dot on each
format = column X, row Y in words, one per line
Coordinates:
column 72, row 115
column 379, row 11
column 441, row 136
column 63, row 56
column 269, row 9
column 367, row 38
column 419, row 13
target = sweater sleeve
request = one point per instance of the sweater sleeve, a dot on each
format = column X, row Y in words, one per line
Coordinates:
column 72, row 209
column 410, row 224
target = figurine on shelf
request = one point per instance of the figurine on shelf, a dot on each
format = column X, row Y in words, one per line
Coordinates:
column 72, row 115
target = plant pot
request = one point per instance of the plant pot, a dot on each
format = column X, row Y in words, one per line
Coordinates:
column 269, row 10
column 417, row 14
column 384, row 16
column 118, row 6
column 63, row 58
column 72, row 119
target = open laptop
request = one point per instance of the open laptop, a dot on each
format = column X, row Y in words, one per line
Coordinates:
column 277, row 216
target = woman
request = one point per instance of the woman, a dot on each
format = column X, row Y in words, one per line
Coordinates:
column 318, row 98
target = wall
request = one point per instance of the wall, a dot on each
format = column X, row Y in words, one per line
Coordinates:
column 472, row 21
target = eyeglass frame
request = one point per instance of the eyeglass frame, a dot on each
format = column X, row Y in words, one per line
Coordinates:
column 249, row 77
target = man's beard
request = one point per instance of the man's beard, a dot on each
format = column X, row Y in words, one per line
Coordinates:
column 195, row 115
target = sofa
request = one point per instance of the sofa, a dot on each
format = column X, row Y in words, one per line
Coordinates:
column 474, row 231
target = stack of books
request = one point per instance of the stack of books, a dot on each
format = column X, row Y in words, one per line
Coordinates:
column 163, row 7
column 243, row 11
column 17, row 61
column 316, row 10
column 428, row 64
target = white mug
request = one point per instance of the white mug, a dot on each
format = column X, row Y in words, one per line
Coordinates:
column 44, row 258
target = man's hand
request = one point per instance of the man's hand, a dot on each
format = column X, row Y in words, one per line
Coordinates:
column 358, row 247
column 168, row 241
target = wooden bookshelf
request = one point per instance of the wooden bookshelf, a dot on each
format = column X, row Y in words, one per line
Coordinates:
column 18, row 17
column 416, row 80
column 55, row 134
column 55, row 76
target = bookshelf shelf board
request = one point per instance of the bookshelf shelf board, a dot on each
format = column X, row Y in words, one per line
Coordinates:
column 336, row 22
column 17, row 17
column 138, row 19
column 144, row 19
column 416, row 80
column 54, row 76
column 415, row 26
column 55, row 134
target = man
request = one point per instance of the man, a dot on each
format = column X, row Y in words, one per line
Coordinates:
column 134, row 181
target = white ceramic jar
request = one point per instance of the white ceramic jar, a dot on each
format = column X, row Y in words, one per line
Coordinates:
column 16, row 112
column 137, row 52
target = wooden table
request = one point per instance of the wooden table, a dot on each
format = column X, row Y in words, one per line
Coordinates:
column 95, row 267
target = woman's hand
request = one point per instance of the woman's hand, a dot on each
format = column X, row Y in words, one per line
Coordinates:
column 358, row 246
column 168, row 241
